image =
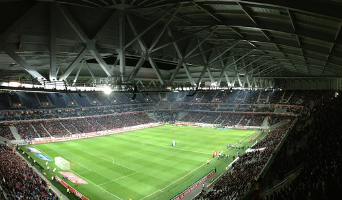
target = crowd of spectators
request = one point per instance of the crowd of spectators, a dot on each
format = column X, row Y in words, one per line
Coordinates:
column 61, row 105
column 252, row 97
column 193, row 116
column 254, row 120
column 275, row 97
column 264, row 96
column 19, row 180
column 40, row 129
column 230, row 119
column 273, row 119
column 211, row 107
column 67, row 100
column 26, row 130
column 209, row 118
column 208, row 97
column 239, row 180
column 5, row 132
column 55, row 128
column 166, row 116
column 321, row 157
column 65, row 127
column 263, row 108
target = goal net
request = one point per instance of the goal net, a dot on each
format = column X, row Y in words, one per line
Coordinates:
column 62, row 163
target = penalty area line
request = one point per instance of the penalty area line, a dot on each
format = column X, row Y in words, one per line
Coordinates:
column 96, row 155
column 96, row 185
column 118, row 178
column 90, row 181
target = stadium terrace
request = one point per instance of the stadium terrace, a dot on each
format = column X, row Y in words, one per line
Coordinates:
column 42, row 131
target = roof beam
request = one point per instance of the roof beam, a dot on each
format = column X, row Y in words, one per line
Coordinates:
column 90, row 43
column 90, row 72
column 141, row 43
column 137, row 68
column 53, row 44
column 187, row 71
column 157, row 38
column 248, row 13
column 208, row 10
column 173, row 76
column 276, row 27
column 175, row 46
column 292, row 20
column 223, row 72
column 147, row 29
column 212, row 80
column 31, row 70
column 220, row 54
column 156, row 70
column 78, row 73
column 200, row 43
column 251, row 63
column 255, row 68
column 266, row 68
column 115, row 63
column 307, row 6
column 35, row 8
column 180, row 59
column 73, row 65
column 211, row 49
column 180, row 39
column 205, row 68
column 122, row 37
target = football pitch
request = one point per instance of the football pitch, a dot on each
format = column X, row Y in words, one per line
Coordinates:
column 143, row 164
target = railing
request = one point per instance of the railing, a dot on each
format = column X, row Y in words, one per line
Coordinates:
column 280, row 144
column 288, row 179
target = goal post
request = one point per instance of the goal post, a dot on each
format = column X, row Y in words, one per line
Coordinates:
column 62, row 163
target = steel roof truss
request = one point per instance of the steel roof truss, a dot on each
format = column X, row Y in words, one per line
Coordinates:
column 53, row 45
column 147, row 29
column 136, row 68
column 156, row 70
column 90, row 43
column 157, row 38
column 200, row 42
column 73, row 65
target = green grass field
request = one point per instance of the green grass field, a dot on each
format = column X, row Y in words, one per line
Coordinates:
column 142, row 164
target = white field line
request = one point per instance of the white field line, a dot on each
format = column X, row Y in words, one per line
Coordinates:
column 106, row 160
column 82, row 166
column 161, row 190
column 170, row 147
column 118, row 178
column 91, row 181
column 105, row 156
column 97, row 185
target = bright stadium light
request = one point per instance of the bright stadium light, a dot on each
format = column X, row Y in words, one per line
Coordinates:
column 107, row 90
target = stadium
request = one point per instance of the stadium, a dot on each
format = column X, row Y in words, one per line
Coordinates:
column 170, row 100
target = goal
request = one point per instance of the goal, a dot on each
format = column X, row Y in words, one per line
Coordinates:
column 62, row 163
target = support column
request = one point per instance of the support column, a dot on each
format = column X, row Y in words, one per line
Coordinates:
column 122, row 46
column 53, row 45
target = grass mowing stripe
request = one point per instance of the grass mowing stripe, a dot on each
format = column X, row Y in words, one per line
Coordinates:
column 88, row 180
column 152, row 170
column 190, row 172
column 96, row 155
column 117, row 179
column 160, row 146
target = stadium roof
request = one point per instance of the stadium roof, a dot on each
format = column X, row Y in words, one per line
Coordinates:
column 170, row 42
